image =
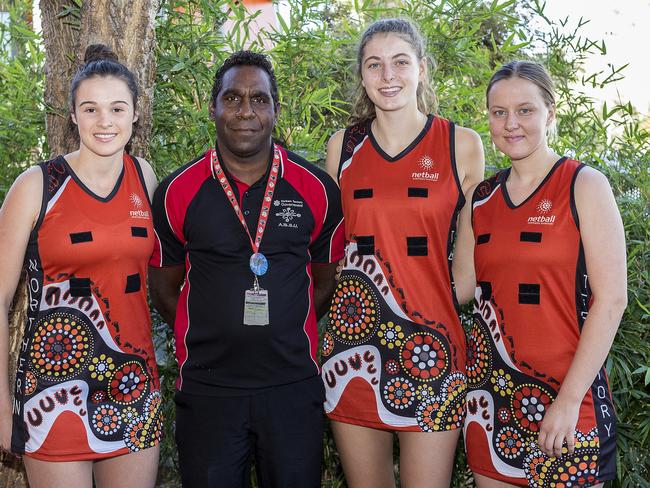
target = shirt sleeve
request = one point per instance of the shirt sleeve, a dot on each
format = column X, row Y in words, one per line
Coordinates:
column 169, row 248
column 329, row 244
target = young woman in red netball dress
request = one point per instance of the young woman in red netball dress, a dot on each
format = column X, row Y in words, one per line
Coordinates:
column 549, row 254
column 86, row 398
column 394, row 349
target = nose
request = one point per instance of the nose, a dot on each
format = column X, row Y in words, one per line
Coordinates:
column 387, row 72
column 512, row 122
column 245, row 109
column 105, row 119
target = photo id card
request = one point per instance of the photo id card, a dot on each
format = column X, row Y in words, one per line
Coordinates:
column 256, row 307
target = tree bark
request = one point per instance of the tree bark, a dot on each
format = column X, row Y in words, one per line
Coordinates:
column 60, row 37
column 128, row 27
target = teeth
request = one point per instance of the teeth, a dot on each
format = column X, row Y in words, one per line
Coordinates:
column 389, row 91
column 105, row 136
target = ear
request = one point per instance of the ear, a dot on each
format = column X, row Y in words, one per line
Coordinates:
column 277, row 110
column 551, row 116
column 423, row 70
column 136, row 116
column 73, row 117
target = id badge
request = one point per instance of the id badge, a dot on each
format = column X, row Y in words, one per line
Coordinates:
column 256, row 307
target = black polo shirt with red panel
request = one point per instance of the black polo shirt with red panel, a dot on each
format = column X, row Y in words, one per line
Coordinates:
column 197, row 227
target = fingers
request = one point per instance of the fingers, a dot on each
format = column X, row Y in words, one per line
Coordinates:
column 570, row 442
column 551, row 443
column 557, row 445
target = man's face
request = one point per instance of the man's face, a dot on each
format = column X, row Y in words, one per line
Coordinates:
column 244, row 112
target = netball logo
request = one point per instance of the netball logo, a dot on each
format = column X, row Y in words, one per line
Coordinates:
column 137, row 203
column 426, row 163
column 136, row 200
column 544, row 206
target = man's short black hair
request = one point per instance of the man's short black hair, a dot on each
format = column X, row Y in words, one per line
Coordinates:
column 246, row 58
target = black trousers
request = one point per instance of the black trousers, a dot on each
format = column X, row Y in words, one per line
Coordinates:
column 281, row 428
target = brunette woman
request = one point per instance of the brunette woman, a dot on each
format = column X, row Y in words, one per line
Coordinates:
column 87, row 398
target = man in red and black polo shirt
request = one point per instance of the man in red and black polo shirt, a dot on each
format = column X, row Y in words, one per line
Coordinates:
column 248, row 237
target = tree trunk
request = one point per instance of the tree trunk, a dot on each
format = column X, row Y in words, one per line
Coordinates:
column 128, row 27
column 60, row 37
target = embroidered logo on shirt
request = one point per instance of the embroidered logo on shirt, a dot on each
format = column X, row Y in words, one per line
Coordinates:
column 288, row 214
column 136, row 200
column 426, row 163
column 544, row 206
column 137, row 203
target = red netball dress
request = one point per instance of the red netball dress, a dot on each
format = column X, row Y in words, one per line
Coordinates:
column 531, row 302
column 394, row 350
column 87, row 385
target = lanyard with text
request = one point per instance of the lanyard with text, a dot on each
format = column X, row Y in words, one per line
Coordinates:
column 256, row 300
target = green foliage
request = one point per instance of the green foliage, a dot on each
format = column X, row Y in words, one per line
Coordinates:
column 313, row 49
column 22, row 125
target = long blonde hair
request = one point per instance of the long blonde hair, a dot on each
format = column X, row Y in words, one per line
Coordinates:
column 362, row 107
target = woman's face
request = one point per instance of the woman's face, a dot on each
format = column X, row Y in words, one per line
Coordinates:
column 104, row 115
column 519, row 118
column 391, row 72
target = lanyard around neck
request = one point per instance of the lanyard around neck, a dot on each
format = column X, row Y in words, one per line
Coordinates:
column 220, row 175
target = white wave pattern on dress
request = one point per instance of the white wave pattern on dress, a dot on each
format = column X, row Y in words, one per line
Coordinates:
column 85, row 305
column 370, row 372
column 389, row 298
column 65, row 397
column 488, row 427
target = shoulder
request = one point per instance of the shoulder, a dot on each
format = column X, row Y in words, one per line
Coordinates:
column 590, row 182
column 335, row 142
column 589, row 177
column 25, row 195
column 334, row 147
column 29, row 183
column 195, row 171
column 469, row 147
column 470, row 161
column 315, row 175
column 148, row 174
column 466, row 136
column 487, row 187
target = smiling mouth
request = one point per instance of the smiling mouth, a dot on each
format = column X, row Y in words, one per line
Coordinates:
column 513, row 138
column 105, row 137
column 390, row 92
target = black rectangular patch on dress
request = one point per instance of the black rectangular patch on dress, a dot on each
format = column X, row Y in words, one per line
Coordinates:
column 418, row 192
column 139, row 232
column 363, row 193
column 486, row 289
column 80, row 237
column 483, row 239
column 529, row 293
column 530, row 237
column 366, row 245
column 416, row 246
column 80, row 287
column 132, row 283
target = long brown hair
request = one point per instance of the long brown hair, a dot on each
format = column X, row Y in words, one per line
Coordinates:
column 362, row 107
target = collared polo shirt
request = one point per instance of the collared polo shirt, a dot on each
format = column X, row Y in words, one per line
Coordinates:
column 196, row 227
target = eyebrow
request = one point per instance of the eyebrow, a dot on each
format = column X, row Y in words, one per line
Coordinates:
column 235, row 91
column 90, row 102
column 393, row 57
